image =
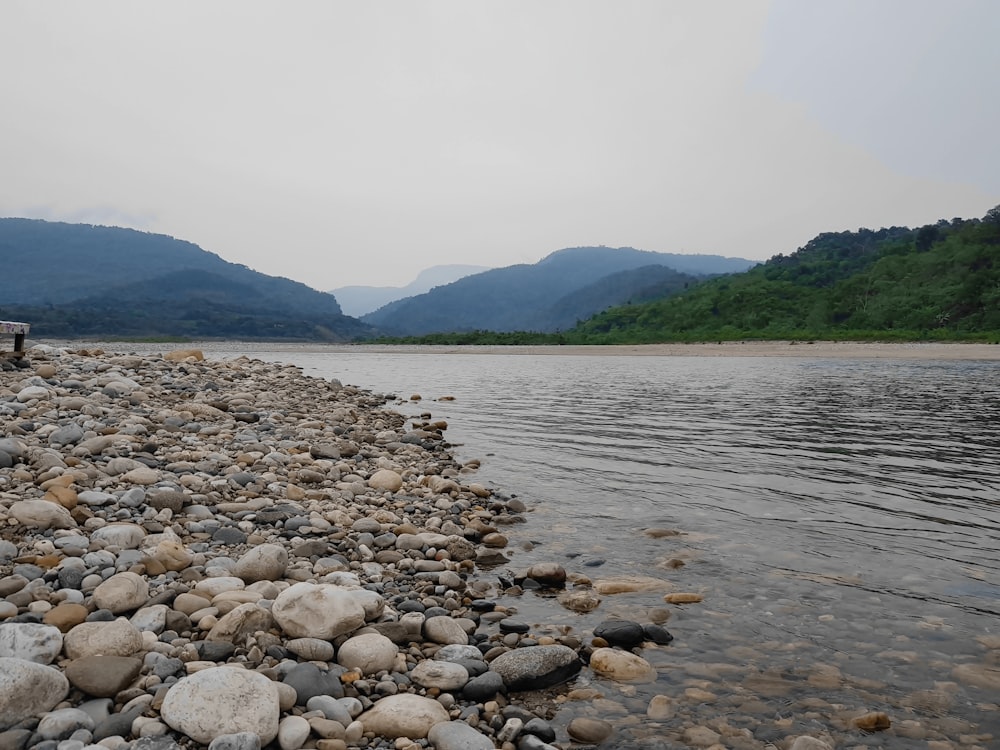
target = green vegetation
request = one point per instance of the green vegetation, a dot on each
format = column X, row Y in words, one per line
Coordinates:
column 554, row 294
column 939, row 282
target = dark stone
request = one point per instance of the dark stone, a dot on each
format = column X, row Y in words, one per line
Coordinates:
column 513, row 626
column 474, row 667
column 625, row 633
column 594, row 563
column 540, row 728
column 657, row 634
column 103, row 676
column 14, row 739
column 229, row 535
column 101, row 615
column 71, row 578
column 172, row 499
column 482, row 605
column 310, row 681
column 313, row 548
column 214, row 650
column 484, row 687
column 411, row 605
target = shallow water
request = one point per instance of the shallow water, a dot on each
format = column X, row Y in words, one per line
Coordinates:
column 841, row 518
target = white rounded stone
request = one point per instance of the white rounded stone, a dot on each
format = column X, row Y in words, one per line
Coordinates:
column 222, row 700
column 370, row 653
column 309, row 610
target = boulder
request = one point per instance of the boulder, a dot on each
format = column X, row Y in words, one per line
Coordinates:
column 457, row 735
column 370, row 653
column 30, row 641
column 116, row 638
column 310, row 610
column 41, row 514
column 265, row 562
column 536, row 667
column 222, row 700
column 122, row 592
column 403, row 715
column 103, row 676
column 621, row 666
column 443, row 675
column 28, row 689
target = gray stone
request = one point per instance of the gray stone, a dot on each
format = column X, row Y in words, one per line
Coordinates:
column 536, row 667
column 28, row 689
column 58, row 725
column 457, row 735
column 484, row 687
column 237, row 741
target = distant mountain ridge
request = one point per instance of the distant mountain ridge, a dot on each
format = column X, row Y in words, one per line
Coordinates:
column 84, row 280
column 360, row 300
column 531, row 297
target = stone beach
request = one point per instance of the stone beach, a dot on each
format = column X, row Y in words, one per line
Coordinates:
column 232, row 554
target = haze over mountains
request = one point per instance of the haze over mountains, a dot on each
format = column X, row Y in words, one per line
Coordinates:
column 359, row 300
column 83, row 280
column 554, row 294
column 80, row 280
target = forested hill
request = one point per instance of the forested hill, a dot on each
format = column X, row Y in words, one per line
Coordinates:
column 939, row 281
column 72, row 280
column 561, row 289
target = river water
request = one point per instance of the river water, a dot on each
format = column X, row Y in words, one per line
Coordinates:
column 840, row 518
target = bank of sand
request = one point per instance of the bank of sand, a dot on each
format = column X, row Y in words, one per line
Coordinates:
column 818, row 350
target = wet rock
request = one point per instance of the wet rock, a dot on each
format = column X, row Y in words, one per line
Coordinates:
column 548, row 574
column 621, row 666
column 589, row 731
column 624, row 633
column 874, row 721
column 809, row 743
column 536, row 667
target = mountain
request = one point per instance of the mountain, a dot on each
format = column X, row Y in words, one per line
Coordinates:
column 531, row 297
column 359, row 300
column 81, row 280
column 940, row 281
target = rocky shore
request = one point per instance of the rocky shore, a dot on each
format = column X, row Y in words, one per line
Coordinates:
column 232, row 554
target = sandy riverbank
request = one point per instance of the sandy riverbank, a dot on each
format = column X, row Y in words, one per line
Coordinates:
column 819, row 349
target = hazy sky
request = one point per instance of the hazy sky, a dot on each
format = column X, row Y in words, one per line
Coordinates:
column 359, row 142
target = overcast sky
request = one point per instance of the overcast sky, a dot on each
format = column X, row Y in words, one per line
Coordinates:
column 359, row 142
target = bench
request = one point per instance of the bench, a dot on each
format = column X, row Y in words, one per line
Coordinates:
column 19, row 330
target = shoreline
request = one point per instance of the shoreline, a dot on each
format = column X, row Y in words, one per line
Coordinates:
column 794, row 349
